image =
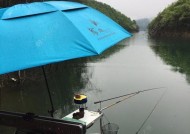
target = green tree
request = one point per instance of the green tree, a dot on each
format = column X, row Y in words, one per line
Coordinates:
column 174, row 21
column 117, row 16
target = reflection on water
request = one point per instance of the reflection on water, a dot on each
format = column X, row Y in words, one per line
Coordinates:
column 176, row 54
column 65, row 79
column 25, row 91
column 143, row 64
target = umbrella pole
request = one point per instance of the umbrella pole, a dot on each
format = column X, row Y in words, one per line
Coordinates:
column 48, row 89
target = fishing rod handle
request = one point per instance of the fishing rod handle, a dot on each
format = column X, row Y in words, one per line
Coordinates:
column 97, row 102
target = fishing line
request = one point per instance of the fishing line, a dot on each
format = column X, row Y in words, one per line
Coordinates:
column 106, row 118
column 151, row 112
column 100, row 110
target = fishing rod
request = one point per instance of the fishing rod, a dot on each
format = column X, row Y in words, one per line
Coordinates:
column 127, row 97
column 117, row 102
column 100, row 110
column 128, row 94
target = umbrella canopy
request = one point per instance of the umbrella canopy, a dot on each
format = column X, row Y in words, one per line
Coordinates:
column 40, row 33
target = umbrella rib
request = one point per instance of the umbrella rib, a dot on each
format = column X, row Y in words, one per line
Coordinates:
column 95, row 51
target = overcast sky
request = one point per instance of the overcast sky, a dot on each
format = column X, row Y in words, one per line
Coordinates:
column 136, row 9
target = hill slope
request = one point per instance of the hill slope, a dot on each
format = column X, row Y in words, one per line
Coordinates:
column 143, row 24
column 120, row 18
column 174, row 21
column 117, row 16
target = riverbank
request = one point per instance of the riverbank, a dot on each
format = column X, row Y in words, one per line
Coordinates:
column 171, row 35
column 173, row 22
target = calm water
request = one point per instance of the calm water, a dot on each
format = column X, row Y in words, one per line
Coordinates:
column 136, row 64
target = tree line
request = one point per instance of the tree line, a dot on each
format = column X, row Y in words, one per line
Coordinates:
column 117, row 16
column 174, row 21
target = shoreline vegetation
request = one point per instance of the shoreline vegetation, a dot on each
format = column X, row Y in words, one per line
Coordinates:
column 173, row 22
column 121, row 19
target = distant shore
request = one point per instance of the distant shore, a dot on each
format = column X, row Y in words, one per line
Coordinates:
column 171, row 34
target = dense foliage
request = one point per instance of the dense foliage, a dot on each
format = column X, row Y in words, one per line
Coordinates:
column 120, row 18
column 174, row 21
column 117, row 16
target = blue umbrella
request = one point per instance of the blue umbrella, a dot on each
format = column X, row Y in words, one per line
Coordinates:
column 40, row 33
